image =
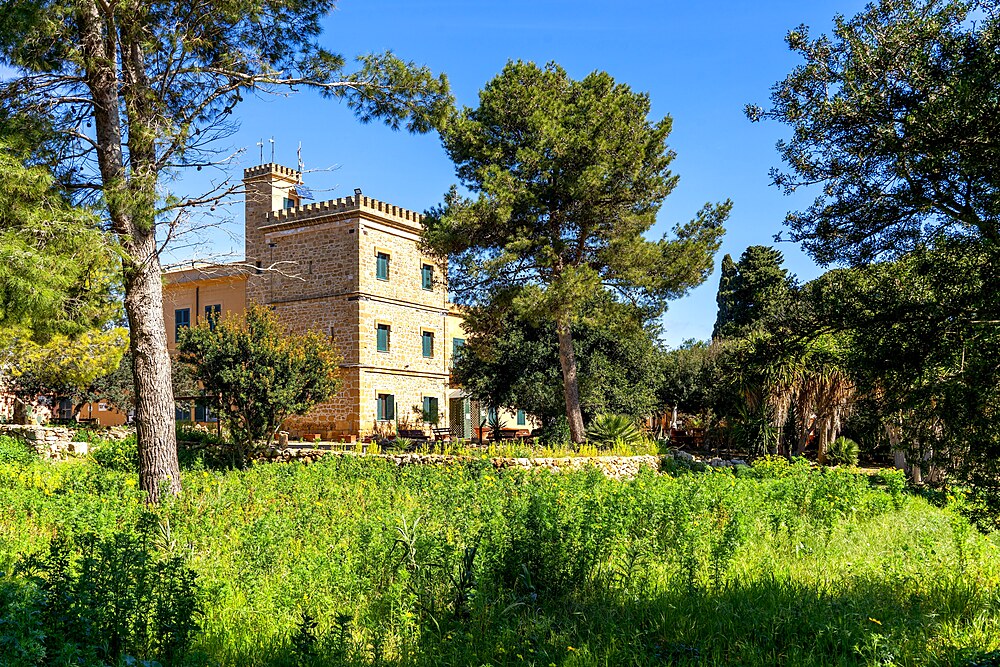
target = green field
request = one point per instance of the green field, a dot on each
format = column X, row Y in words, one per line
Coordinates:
column 353, row 561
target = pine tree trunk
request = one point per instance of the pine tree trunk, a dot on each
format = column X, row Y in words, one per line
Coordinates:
column 159, row 471
column 571, row 385
column 130, row 195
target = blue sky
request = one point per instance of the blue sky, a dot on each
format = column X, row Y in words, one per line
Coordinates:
column 700, row 62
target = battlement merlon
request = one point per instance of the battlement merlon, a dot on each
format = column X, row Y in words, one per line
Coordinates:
column 361, row 204
column 271, row 169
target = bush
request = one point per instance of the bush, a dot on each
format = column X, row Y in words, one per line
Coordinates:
column 842, row 452
column 120, row 455
column 14, row 451
column 103, row 600
column 554, row 434
column 609, row 430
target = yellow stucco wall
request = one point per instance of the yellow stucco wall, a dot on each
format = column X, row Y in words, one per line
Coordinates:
column 198, row 288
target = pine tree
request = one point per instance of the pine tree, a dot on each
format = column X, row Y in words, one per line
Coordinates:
column 144, row 89
column 569, row 176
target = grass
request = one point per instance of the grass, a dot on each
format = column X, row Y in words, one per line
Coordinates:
column 352, row 561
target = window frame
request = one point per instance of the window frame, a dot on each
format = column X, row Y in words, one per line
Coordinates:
column 379, row 254
column 427, row 403
column 427, row 276
column 427, row 336
column 383, row 401
column 379, row 327
column 178, row 323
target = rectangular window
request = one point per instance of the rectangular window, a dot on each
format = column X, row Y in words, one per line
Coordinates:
column 182, row 413
column 427, row 338
column 102, row 407
column 204, row 413
column 212, row 314
column 382, row 335
column 182, row 320
column 431, row 409
column 521, row 420
column 456, row 346
column 287, row 203
column 385, row 407
column 427, row 276
column 382, row 266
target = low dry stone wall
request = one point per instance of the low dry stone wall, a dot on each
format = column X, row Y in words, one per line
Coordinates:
column 55, row 443
column 50, row 442
column 615, row 467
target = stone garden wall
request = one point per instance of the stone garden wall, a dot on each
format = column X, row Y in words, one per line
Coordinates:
column 615, row 467
column 56, row 442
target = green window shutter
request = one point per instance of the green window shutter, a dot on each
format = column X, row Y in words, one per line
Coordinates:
column 521, row 421
column 382, row 342
column 428, row 343
column 427, row 276
column 430, row 409
column 212, row 314
column 385, row 407
column 382, row 266
column 456, row 346
column 182, row 320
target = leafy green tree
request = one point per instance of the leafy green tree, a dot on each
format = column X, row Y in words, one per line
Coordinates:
column 63, row 366
column 751, row 291
column 568, row 177
column 137, row 91
column 258, row 374
column 923, row 344
column 728, row 273
column 689, row 377
column 894, row 122
column 115, row 388
column 512, row 361
column 57, row 286
column 895, row 115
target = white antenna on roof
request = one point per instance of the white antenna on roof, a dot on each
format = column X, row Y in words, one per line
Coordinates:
column 272, row 149
column 302, row 166
column 260, row 145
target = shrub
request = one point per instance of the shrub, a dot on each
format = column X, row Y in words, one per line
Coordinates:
column 199, row 448
column 260, row 373
column 400, row 444
column 120, row 455
column 842, row 452
column 555, row 433
column 102, row 600
column 15, row 451
column 608, row 430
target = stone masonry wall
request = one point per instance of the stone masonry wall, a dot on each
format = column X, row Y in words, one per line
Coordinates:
column 409, row 392
column 615, row 467
column 324, row 277
column 49, row 442
column 266, row 188
column 310, row 262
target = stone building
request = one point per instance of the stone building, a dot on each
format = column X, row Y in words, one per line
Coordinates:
column 350, row 268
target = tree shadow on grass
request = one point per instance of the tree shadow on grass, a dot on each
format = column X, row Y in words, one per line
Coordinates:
column 770, row 622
